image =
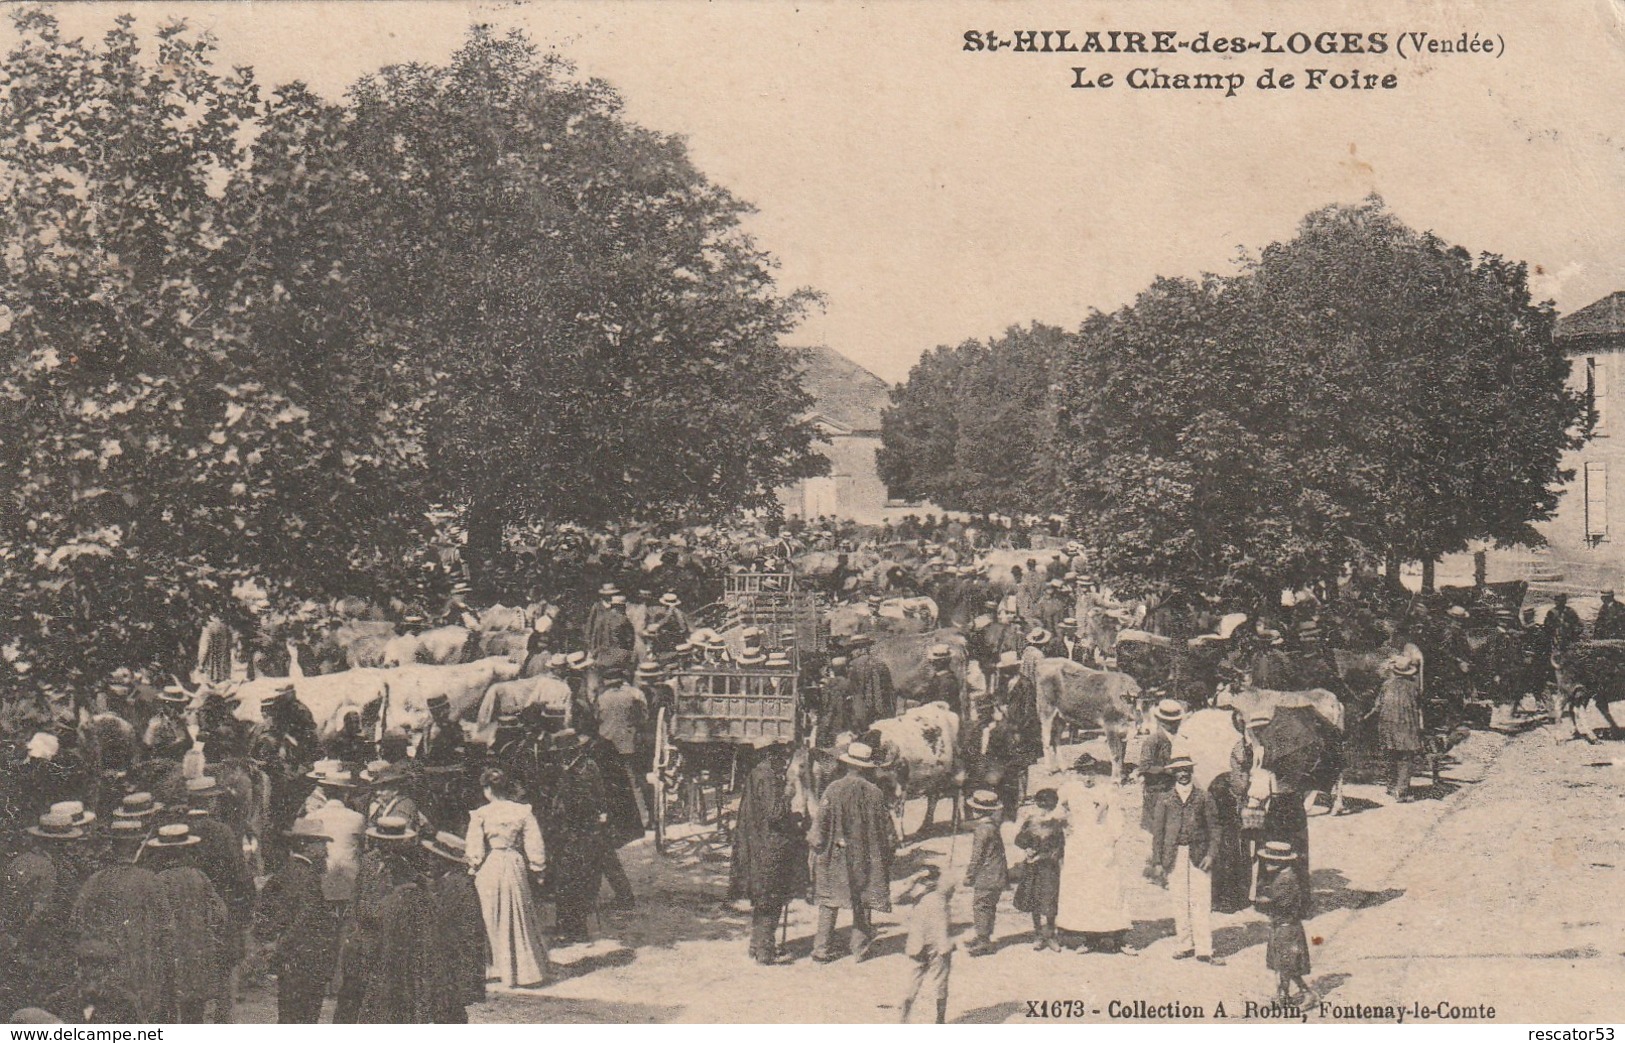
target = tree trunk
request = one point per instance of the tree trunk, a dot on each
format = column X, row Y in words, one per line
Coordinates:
column 484, row 546
column 1390, row 569
column 1427, row 575
column 1480, row 568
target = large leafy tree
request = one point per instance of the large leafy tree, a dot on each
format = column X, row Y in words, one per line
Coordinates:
column 567, row 305
column 1361, row 393
column 974, row 427
column 159, row 453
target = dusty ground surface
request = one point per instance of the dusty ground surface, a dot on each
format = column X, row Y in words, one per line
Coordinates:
column 1497, row 889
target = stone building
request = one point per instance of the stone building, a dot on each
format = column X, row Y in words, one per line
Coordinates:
column 847, row 402
column 1587, row 535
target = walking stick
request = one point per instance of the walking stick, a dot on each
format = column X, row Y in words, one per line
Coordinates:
column 784, row 926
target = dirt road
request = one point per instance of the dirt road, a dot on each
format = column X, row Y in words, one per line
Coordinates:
column 1498, row 889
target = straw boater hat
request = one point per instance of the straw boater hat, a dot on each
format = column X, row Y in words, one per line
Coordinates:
column 330, row 773
column 983, row 800
column 1039, row 636
column 1278, row 851
column 176, row 835
column 751, row 656
column 608, row 590
column 75, row 811
column 1069, row 623
column 778, row 660
column 127, row 829
column 174, row 695
column 449, row 846
column 55, row 827
column 1169, row 710
column 940, row 653
column 618, row 599
column 579, row 661
column 683, row 648
column 859, row 755
column 392, row 829
column 137, row 805
column 558, row 661
column 670, row 599
column 1180, row 763
column 649, row 669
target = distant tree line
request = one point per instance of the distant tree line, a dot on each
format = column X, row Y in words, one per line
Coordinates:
column 1363, row 394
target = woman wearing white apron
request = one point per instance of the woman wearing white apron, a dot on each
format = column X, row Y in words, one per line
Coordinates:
column 1091, row 875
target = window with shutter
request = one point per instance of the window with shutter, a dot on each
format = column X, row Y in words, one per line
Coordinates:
column 1596, row 494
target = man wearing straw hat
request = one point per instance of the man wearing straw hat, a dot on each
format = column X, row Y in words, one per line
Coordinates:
column 293, row 915
column 853, row 842
column 220, row 858
column 123, row 905
column 1154, row 754
column 987, row 871
column 40, row 886
column 1184, row 843
column 199, row 927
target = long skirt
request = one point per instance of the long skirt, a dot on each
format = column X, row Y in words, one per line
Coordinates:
column 512, row 925
column 1091, row 892
column 1232, row 868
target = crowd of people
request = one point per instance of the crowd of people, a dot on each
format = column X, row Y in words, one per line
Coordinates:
column 150, row 866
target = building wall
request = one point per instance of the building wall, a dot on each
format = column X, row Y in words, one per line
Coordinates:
column 852, row 489
column 1588, row 530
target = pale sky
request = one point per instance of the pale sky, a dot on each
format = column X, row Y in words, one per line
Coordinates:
column 935, row 195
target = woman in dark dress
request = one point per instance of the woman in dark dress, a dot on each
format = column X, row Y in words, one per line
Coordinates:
column 1232, row 868
column 1043, row 837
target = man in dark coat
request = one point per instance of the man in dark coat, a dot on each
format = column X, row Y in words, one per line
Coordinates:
column 199, row 927
column 123, row 906
column 836, row 714
column 1184, row 843
column 574, row 820
column 943, row 686
column 1610, row 624
column 853, row 843
column 293, row 915
column 219, row 856
column 410, row 979
column 458, row 917
column 873, row 696
column 444, row 743
column 624, row 823
column 1563, row 626
column 1154, row 754
column 770, row 851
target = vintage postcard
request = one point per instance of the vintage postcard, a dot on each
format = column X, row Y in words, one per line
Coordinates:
column 970, row 512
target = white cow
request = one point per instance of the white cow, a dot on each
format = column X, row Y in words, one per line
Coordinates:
column 408, row 689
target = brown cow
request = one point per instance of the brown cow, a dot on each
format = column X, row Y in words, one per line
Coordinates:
column 1103, row 699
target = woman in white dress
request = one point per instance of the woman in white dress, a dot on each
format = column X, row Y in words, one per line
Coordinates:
column 503, row 841
column 1091, row 882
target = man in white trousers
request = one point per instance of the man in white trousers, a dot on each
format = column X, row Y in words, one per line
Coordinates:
column 1184, row 842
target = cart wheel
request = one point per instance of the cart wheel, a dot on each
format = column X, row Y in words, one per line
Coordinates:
column 661, row 758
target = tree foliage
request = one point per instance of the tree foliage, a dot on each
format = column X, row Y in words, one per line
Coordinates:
column 973, row 429
column 251, row 337
column 1360, row 392
column 585, row 330
column 159, row 452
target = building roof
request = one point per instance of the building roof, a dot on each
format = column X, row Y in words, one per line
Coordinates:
column 1604, row 318
column 843, row 392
